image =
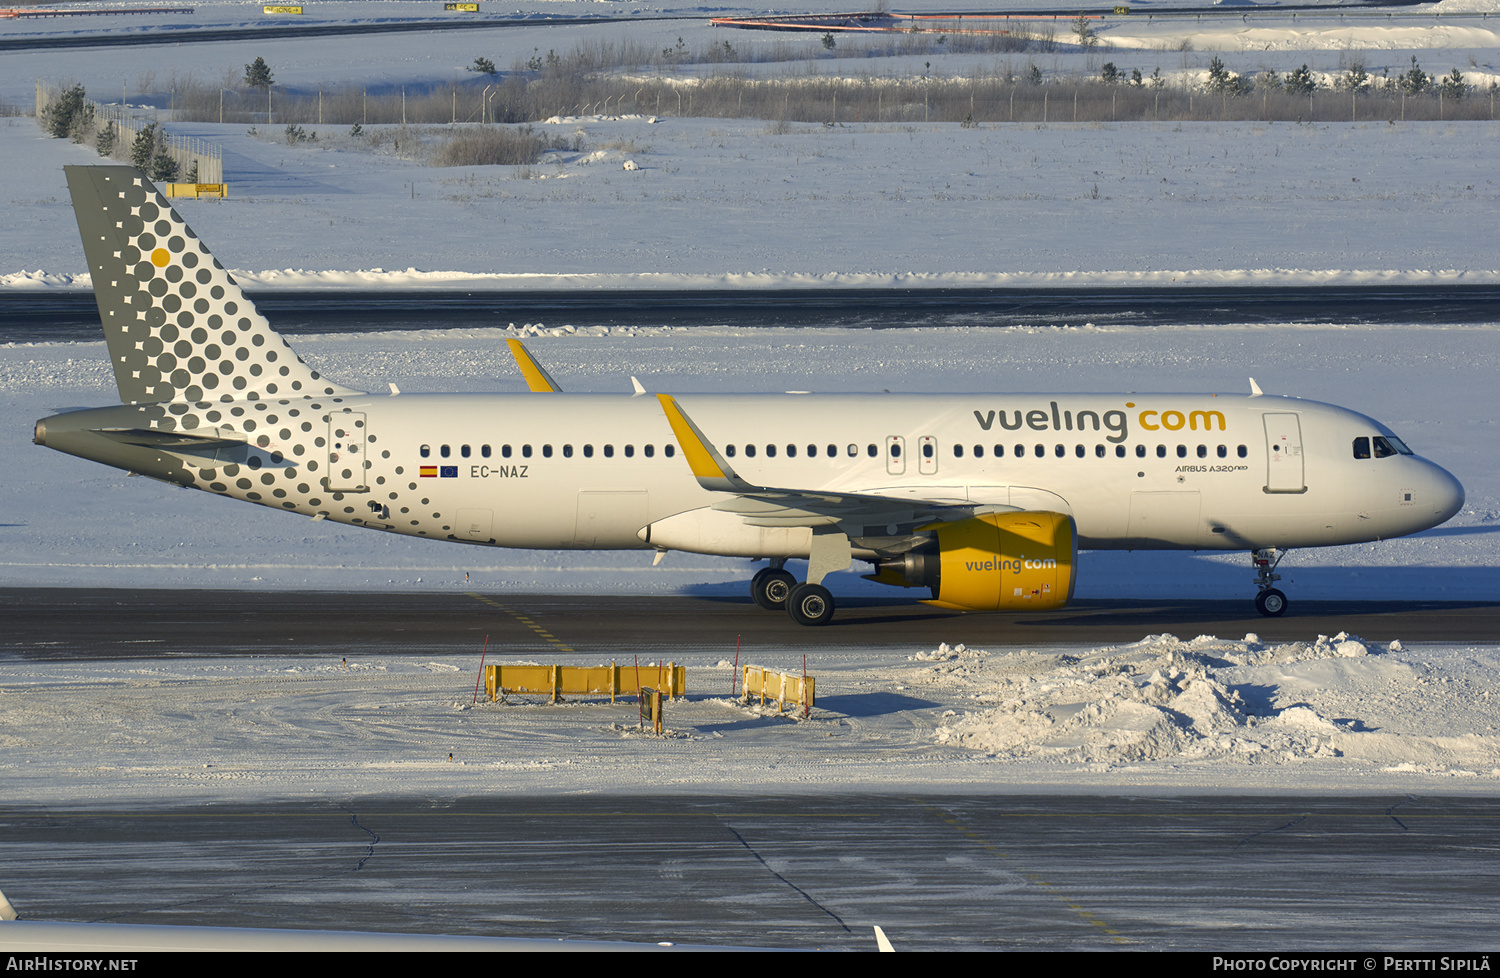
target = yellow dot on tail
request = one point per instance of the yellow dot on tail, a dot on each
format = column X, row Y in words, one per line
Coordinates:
column 159, row 258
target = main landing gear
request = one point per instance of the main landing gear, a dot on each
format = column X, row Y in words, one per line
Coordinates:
column 775, row 589
column 1269, row 601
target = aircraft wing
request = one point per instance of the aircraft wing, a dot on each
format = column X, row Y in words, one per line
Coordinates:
column 772, row 506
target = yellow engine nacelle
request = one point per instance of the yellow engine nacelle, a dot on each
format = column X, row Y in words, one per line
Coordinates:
column 1010, row 561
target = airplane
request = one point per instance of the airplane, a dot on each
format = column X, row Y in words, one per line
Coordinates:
column 984, row 500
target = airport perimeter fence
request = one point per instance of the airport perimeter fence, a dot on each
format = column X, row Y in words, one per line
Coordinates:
column 198, row 158
column 1002, row 97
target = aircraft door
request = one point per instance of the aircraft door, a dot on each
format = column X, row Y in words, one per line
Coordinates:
column 348, row 438
column 927, row 455
column 895, row 455
column 1284, row 462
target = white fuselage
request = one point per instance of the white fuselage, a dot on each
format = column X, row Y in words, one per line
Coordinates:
column 561, row 471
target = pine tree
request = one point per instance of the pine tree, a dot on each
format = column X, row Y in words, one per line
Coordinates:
column 144, row 148
column 105, row 141
column 257, row 75
column 1454, row 86
column 1300, row 82
column 163, row 167
column 1109, row 74
column 483, row 65
column 1218, row 76
column 67, row 114
column 1415, row 81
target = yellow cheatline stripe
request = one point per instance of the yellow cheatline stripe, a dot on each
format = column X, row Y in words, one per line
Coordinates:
column 983, row 843
column 541, row 632
column 537, row 379
column 699, row 458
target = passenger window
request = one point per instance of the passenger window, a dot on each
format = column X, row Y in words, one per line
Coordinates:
column 546, row 451
column 833, row 451
column 1059, row 451
column 1078, row 450
column 729, row 451
column 999, row 451
column 525, row 451
column 505, row 451
column 1242, row 451
column 958, row 451
column 1140, row 451
column 485, row 451
column 1161, row 451
column 464, row 451
column 670, row 450
column 1223, row 451
column 853, row 451
column 1119, row 451
column 425, row 451
column 649, row 451
column 567, row 451
column 444, row 451
column 1182, row 451
column 630, row 451
column 749, row 451
column 770, row 451
column 1099, row 451
column 927, row 449
column 872, row 451
column 979, row 451
column 1203, row 451
column 791, row 451
column 609, row 451
column 895, row 450
column 588, row 451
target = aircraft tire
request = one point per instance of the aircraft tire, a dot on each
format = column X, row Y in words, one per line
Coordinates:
column 769, row 588
column 1271, row 603
column 810, row 604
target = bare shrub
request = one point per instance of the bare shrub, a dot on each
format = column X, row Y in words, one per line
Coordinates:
column 495, row 146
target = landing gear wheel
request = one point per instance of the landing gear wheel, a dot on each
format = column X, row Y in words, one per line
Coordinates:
column 810, row 604
column 1271, row 603
column 770, row 587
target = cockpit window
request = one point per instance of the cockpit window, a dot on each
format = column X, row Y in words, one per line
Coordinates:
column 1362, row 447
column 1383, row 448
column 1399, row 445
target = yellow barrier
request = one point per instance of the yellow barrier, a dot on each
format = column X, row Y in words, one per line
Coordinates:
column 610, row 680
column 197, row 190
column 780, row 686
column 468, row 8
column 269, row 9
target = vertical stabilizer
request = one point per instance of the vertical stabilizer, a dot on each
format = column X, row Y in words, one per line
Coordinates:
column 177, row 325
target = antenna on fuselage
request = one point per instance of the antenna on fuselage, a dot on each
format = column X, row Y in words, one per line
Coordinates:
column 1255, row 390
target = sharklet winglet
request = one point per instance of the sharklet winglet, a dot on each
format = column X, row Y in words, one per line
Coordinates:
column 538, row 381
column 708, row 466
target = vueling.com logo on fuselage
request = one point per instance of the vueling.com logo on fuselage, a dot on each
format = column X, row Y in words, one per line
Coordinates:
column 1014, row 565
column 1115, row 421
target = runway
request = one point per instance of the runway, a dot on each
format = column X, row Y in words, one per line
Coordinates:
column 980, row 871
column 59, row 623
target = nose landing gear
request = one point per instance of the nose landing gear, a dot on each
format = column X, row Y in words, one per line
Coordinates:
column 1269, row 601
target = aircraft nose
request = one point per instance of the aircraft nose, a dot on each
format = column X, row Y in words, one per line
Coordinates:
column 1444, row 493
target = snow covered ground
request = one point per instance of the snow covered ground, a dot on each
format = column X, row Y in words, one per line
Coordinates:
column 738, row 204
column 1165, row 714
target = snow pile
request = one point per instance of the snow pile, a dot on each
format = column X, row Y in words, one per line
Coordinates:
column 1206, row 699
